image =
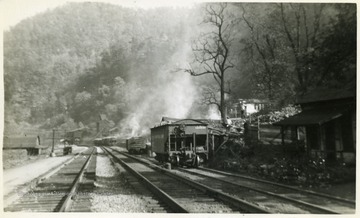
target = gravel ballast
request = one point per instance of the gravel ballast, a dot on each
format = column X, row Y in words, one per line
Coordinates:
column 112, row 192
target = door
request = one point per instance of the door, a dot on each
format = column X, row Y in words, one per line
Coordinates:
column 330, row 141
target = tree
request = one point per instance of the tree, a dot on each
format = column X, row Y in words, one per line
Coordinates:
column 265, row 54
column 293, row 48
column 336, row 55
column 302, row 35
column 212, row 51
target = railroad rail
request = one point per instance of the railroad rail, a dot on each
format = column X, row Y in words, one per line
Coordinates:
column 296, row 199
column 158, row 201
column 18, row 192
column 181, row 194
column 57, row 192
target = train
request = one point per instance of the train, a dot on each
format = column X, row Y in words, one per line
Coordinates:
column 105, row 141
column 74, row 137
column 182, row 143
column 138, row 145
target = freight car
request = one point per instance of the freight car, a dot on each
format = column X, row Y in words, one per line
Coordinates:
column 74, row 137
column 181, row 143
column 105, row 141
column 98, row 142
column 137, row 145
column 109, row 141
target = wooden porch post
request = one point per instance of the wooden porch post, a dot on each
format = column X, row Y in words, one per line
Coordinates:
column 282, row 136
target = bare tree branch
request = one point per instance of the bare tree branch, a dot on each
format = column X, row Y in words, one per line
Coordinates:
column 212, row 51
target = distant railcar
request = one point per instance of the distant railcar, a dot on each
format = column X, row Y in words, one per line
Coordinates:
column 74, row 137
column 98, row 142
column 105, row 141
column 109, row 141
column 182, row 143
column 137, row 145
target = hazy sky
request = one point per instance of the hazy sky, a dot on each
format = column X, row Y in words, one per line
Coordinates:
column 13, row 11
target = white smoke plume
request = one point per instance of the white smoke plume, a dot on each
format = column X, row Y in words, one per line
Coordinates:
column 213, row 113
column 173, row 96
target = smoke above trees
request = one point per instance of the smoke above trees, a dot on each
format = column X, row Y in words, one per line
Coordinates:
column 68, row 65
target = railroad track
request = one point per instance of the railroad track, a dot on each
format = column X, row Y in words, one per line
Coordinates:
column 152, row 203
column 58, row 193
column 275, row 197
column 180, row 194
column 270, row 196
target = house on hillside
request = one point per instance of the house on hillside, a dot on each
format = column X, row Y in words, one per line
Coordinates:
column 329, row 118
column 245, row 107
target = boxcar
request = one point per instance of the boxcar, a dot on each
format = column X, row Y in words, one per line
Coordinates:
column 109, row 141
column 74, row 137
column 182, row 143
column 98, row 142
column 105, row 141
column 137, row 145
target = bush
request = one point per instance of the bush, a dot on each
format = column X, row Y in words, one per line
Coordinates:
column 269, row 117
column 273, row 163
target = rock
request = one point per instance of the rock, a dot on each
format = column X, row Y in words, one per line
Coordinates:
column 251, row 168
column 168, row 166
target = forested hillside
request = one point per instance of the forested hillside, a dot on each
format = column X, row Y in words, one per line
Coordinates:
column 71, row 64
column 68, row 65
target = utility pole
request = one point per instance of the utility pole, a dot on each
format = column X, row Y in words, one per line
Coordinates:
column 53, row 144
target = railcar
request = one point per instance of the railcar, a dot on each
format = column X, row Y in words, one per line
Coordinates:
column 98, row 142
column 105, row 141
column 137, row 145
column 74, row 137
column 181, row 143
column 109, row 141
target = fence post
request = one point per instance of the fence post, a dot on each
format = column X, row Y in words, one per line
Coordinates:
column 283, row 135
column 258, row 125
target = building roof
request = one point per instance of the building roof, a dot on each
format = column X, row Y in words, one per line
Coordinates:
column 316, row 116
column 326, row 94
column 255, row 101
column 168, row 120
column 190, row 122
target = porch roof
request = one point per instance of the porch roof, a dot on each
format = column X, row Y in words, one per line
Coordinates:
column 312, row 117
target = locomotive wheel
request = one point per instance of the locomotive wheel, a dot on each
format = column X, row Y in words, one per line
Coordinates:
column 177, row 160
column 196, row 161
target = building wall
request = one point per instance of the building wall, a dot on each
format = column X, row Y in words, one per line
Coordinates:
column 335, row 140
column 246, row 107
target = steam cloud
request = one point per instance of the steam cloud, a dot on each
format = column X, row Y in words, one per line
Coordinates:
column 173, row 96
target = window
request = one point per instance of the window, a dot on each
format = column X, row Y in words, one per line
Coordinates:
column 312, row 135
column 201, row 141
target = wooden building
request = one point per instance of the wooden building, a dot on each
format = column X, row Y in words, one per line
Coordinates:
column 246, row 107
column 329, row 119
